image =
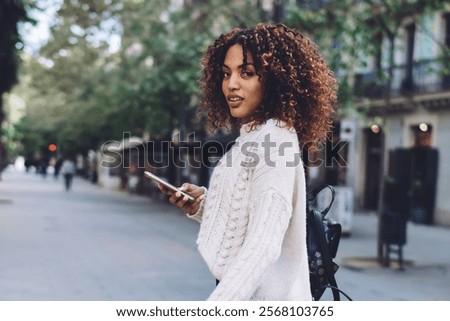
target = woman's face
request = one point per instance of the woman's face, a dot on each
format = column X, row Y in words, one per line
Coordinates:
column 241, row 86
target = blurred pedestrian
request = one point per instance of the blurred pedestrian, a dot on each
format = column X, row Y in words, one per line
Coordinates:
column 43, row 168
column 68, row 170
column 58, row 165
column 270, row 82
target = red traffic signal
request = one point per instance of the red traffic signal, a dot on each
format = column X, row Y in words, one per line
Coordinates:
column 52, row 147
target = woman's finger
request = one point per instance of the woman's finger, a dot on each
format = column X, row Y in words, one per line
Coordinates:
column 164, row 189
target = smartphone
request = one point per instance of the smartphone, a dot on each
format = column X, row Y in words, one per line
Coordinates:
column 168, row 185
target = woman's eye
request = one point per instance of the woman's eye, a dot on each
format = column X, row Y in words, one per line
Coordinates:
column 225, row 74
column 247, row 74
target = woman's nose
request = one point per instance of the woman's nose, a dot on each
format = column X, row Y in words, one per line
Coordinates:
column 233, row 82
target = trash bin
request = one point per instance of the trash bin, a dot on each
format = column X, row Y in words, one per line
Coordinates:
column 393, row 227
column 393, row 220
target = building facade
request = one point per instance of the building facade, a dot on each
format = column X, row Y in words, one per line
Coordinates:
column 406, row 133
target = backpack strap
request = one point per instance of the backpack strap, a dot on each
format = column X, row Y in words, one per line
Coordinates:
column 313, row 194
column 334, row 288
column 326, row 256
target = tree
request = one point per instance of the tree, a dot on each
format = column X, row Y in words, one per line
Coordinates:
column 11, row 12
column 62, row 71
column 90, row 92
column 162, row 46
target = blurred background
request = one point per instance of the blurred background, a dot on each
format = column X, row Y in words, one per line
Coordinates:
column 112, row 85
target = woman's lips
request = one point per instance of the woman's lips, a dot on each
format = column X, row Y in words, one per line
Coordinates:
column 234, row 101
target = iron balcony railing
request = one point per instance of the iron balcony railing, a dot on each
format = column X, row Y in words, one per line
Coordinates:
column 424, row 76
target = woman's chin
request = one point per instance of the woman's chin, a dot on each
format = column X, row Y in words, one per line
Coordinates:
column 238, row 115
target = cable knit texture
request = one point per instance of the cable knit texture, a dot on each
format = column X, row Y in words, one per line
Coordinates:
column 253, row 218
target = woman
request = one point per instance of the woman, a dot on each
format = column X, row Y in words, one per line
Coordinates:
column 270, row 82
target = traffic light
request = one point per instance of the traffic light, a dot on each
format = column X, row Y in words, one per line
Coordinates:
column 52, row 148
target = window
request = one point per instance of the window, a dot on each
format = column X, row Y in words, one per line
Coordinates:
column 408, row 83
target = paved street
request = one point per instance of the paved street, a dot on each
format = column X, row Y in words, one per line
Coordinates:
column 95, row 244
column 92, row 244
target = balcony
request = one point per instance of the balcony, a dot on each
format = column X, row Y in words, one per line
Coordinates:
column 421, row 77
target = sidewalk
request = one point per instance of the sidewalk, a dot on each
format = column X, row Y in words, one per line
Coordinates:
column 110, row 245
column 427, row 264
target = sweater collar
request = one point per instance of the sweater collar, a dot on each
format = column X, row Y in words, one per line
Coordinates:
column 246, row 128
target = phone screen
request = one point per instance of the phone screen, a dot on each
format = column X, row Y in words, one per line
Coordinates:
column 167, row 184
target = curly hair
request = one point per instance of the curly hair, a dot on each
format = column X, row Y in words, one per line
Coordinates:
column 300, row 88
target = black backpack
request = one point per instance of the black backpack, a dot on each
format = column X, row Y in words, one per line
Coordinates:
column 323, row 235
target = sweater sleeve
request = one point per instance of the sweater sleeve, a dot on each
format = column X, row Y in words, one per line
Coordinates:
column 198, row 216
column 270, row 211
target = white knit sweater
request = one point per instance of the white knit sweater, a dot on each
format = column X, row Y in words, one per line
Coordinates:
column 253, row 218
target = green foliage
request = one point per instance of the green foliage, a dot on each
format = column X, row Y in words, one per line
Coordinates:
column 348, row 33
column 86, row 92
column 132, row 66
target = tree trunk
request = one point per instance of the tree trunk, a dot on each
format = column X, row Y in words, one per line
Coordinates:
column 380, row 245
column 1, row 140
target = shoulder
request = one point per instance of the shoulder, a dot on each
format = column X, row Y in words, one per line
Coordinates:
column 277, row 144
column 275, row 132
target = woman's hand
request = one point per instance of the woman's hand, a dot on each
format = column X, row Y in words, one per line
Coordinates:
column 176, row 198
